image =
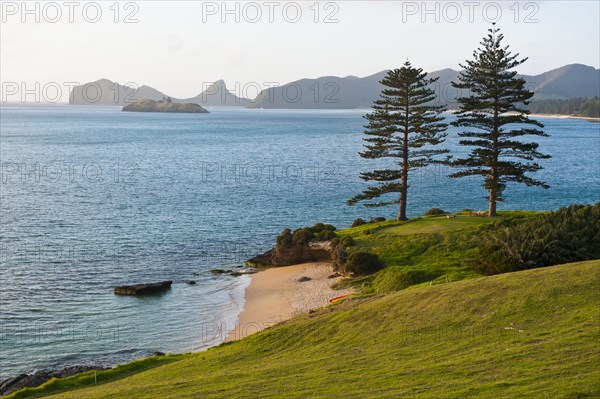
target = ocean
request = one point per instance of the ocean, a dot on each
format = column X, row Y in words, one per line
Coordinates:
column 92, row 198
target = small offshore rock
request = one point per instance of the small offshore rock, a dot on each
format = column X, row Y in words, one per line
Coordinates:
column 143, row 289
column 190, row 282
column 221, row 271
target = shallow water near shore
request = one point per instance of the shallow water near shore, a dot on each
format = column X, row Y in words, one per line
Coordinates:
column 92, row 198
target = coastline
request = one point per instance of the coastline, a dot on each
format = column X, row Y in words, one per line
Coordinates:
column 553, row 116
column 560, row 116
column 275, row 295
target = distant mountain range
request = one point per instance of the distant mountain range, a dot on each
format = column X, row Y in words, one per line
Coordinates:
column 332, row 92
column 107, row 92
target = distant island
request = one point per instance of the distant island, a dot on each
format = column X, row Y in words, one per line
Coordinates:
column 165, row 105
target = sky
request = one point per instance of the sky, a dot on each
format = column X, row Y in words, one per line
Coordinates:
column 179, row 47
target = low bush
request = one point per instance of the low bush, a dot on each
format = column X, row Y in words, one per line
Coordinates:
column 435, row 211
column 362, row 263
column 325, row 235
column 570, row 234
column 304, row 235
column 395, row 278
column 285, row 239
column 339, row 253
column 358, row 222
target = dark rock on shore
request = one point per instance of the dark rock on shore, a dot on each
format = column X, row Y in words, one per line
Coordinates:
column 265, row 259
column 164, row 106
column 143, row 289
column 313, row 252
column 235, row 273
column 303, row 279
column 39, row 377
column 221, row 271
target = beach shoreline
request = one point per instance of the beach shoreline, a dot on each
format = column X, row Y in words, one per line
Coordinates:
column 553, row 116
column 560, row 116
column 276, row 294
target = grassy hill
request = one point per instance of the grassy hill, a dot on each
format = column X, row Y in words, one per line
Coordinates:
column 430, row 250
column 530, row 334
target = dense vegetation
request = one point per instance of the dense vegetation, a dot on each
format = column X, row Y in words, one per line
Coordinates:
column 531, row 334
column 435, row 211
column 438, row 249
column 361, row 221
column 580, row 106
column 304, row 235
column 567, row 235
column 381, row 256
column 433, row 249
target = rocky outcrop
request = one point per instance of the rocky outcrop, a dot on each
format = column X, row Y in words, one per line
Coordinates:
column 164, row 106
column 39, row 377
column 292, row 255
column 143, row 289
column 238, row 271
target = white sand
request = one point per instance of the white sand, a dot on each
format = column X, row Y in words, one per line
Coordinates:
column 275, row 295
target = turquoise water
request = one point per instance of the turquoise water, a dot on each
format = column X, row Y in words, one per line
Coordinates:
column 92, row 198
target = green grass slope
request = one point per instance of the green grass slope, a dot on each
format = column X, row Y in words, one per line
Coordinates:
column 531, row 334
column 432, row 249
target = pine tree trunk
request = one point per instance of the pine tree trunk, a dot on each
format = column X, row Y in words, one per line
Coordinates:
column 492, row 205
column 493, row 190
column 404, row 190
column 402, row 211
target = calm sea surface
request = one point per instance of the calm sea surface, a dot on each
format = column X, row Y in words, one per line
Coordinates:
column 92, row 198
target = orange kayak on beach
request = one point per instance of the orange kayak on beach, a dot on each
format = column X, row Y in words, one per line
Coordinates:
column 337, row 298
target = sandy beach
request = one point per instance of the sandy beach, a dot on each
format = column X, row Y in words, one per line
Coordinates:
column 554, row 116
column 584, row 118
column 275, row 295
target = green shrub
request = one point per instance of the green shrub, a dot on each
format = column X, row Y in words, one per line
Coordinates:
column 339, row 253
column 435, row 211
column 285, row 240
column 358, row 222
column 362, row 263
column 347, row 241
column 325, row 235
column 395, row 278
column 570, row 234
column 304, row 235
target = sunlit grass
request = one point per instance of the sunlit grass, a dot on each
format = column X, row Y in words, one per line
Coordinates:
column 531, row 334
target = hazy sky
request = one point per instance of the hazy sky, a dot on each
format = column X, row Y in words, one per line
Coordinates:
column 177, row 47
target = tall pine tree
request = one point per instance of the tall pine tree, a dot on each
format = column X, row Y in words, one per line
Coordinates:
column 494, row 115
column 403, row 126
